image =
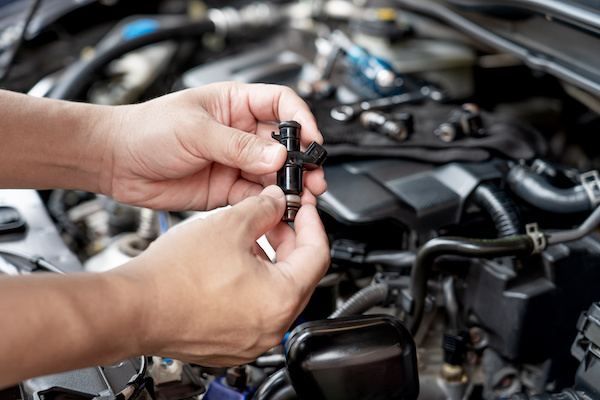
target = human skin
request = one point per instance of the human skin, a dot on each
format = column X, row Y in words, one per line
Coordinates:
column 204, row 292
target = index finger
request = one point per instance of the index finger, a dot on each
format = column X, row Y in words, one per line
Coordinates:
column 280, row 103
column 249, row 103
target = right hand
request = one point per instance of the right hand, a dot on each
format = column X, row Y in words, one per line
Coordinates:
column 214, row 297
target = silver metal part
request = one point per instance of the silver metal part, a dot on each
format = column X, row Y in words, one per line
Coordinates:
column 386, row 79
column 226, row 20
column 377, row 121
column 147, row 228
column 591, row 183
column 292, row 206
column 539, row 239
column 229, row 21
column 446, row 132
column 346, row 112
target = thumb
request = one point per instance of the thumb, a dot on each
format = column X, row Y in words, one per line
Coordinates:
column 242, row 150
column 254, row 216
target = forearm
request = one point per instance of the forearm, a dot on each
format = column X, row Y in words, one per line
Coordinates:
column 65, row 322
column 50, row 143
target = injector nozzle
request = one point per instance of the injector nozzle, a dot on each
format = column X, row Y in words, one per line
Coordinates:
column 289, row 177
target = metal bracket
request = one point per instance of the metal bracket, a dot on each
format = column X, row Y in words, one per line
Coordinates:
column 538, row 238
column 591, row 183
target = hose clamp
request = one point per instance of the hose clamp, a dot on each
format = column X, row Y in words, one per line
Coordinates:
column 591, row 183
column 538, row 238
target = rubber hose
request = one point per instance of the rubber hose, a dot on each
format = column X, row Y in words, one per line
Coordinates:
column 78, row 75
column 500, row 208
column 276, row 387
column 395, row 259
column 483, row 248
column 57, row 210
column 361, row 301
column 536, row 190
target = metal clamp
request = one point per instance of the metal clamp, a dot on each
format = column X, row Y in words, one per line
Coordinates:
column 591, row 183
column 538, row 238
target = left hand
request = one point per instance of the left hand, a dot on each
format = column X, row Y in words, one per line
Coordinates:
column 203, row 148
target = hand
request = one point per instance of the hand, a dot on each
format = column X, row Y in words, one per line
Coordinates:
column 215, row 299
column 203, row 148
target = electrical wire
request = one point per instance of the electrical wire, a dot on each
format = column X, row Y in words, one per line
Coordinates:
column 361, row 301
column 136, row 382
column 78, row 75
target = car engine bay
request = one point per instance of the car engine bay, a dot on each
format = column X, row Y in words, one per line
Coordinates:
column 462, row 200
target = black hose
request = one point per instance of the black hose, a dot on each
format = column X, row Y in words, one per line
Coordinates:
column 536, row 190
column 484, row 248
column 7, row 57
column 276, row 387
column 361, row 301
column 391, row 258
column 501, row 209
column 450, row 302
column 79, row 74
column 56, row 207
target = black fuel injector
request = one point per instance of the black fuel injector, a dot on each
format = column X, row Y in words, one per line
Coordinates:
column 289, row 177
column 463, row 122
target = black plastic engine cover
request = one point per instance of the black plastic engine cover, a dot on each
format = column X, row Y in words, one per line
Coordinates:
column 418, row 195
column 367, row 357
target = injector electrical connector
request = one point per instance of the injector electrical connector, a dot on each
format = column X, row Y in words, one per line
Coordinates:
column 289, row 177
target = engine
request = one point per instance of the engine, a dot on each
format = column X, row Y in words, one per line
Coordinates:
column 462, row 200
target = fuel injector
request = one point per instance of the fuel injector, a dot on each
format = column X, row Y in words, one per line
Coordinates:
column 289, row 177
column 398, row 126
column 462, row 122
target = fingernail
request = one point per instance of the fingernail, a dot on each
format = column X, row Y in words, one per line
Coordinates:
column 270, row 153
column 272, row 191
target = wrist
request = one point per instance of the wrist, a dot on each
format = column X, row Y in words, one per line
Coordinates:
column 136, row 294
column 86, row 148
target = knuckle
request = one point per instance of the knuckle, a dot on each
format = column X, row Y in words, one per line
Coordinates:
column 240, row 147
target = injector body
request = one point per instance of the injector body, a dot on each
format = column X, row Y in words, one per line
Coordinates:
column 289, row 177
